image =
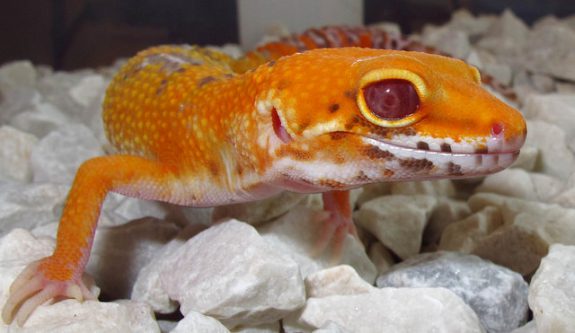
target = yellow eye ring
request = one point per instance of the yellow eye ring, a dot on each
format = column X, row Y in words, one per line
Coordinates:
column 381, row 75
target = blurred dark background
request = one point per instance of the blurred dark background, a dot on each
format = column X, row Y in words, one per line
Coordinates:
column 70, row 34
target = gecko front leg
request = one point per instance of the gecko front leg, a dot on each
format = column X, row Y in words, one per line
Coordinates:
column 60, row 275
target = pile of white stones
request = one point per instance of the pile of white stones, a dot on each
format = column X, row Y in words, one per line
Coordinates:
column 483, row 255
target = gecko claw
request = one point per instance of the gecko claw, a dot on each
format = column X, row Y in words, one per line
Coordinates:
column 32, row 288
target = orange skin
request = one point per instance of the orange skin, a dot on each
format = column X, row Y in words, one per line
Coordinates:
column 190, row 130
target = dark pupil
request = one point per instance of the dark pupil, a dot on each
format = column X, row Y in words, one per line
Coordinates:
column 391, row 99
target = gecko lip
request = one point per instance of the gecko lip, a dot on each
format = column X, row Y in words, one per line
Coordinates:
column 452, row 164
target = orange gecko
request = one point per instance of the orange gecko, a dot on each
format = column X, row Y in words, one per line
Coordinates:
column 191, row 127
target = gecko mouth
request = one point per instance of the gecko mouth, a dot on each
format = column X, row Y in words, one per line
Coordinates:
column 426, row 163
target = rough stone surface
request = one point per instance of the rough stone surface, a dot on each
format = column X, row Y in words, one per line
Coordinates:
column 256, row 213
column 522, row 184
column 556, row 109
column 29, row 205
column 70, row 316
column 527, row 230
column 552, row 148
column 397, row 221
column 552, row 291
column 230, row 273
column 127, row 249
column 57, row 157
column 339, row 280
column 197, row 322
column 496, row 294
column 297, row 233
column 393, row 310
column 15, row 150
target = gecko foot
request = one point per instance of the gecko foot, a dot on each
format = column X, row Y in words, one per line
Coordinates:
column 32, row 288
column 335, row 227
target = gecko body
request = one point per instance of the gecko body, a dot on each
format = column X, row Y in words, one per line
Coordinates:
column 194, row 127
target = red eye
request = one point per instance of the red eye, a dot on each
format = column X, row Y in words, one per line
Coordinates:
column 391, row 99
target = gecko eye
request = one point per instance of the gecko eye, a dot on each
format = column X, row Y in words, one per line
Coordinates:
column 391, row 99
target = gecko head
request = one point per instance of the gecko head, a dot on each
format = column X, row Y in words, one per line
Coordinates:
column 346, row 117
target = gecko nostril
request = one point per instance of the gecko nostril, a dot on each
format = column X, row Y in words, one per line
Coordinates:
column 497, row 129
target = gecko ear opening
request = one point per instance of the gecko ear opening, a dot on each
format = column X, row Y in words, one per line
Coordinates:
column 391, row 97
column 279, row 128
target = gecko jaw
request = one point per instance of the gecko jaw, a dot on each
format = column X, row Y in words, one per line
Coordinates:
column 428, row 164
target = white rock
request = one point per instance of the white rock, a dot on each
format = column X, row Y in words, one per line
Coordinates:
column 29, row 205
column 528, row 229
column 552, row 291
column 260, row 211
column 445, row 213
column 126, row 249
column 440, row 187
column 522, row 184
column 381, row 257
column 230, row 273
column 88, row 90
column 339, row 280
column 453, row 42
column 397, row 221
column 372, row 191
column 527, row 158
column 464, row 235
column 264, row 328
column 501, row 73
column 40, row 120
column 71, row 316
column 58, row 156
column 566, row 198
column 331, row 327
column 17, row 88
column 551, row 141
column 148, row 286
column 556, row 109
column 297, row 234
column 551, row 52
column 197, row 322
column 530, row 327
column 496, row 294
column 15, row 150
column 543, row 83
column 473, row 26
column 393, row 310
column 507, row 36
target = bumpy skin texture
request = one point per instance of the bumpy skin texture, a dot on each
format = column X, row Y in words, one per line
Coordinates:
column 194, row 127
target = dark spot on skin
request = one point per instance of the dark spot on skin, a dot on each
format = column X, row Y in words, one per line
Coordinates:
column 445, row 147
column 375, row 152
column 388, row 173
column 415, row 164
column 478, row 159
column 162, row 87
column 407, row 131
column 239, row 169
column 481, row 150
column 205, row 80
column 296, row 154
column 333, row 108
column 350, row 94
column 331, row 183
column 337, row 135
column 454, row 169
column 361, row 177
column 214, row 170
column 271, row 63
column 422, row 145
column 228, row 76
column 304, row 124
column 181, row 70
